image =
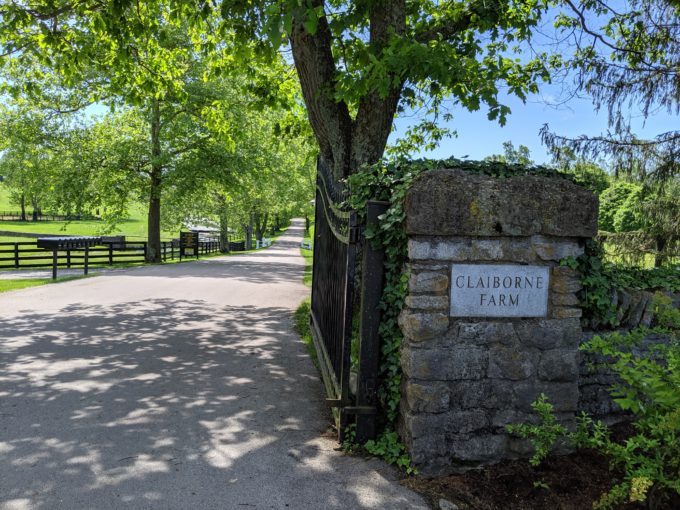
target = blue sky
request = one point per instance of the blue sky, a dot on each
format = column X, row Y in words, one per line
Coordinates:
column 479, row 137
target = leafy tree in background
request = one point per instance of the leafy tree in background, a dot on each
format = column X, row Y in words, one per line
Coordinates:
column 586, row 172
column 267, row 175
column 620, row 209
column 519, row 156
column 33, row 153
column 625, row 55
column 358, row 63
column 149, row 63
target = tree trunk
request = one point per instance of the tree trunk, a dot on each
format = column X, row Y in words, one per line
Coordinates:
column 36, row 211
column 156, row 177
column 265, row 222
column 659, row 256
column 249, row 233
column 260, row 225
column 346, row 144
column 224, row 227
column 23, row 207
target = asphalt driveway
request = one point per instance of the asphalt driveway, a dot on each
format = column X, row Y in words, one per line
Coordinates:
column 173, row 387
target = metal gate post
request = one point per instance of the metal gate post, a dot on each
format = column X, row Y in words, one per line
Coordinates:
column 372, row 283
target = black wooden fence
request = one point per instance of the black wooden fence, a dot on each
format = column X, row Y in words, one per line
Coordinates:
column 20, row 255
column 336, row 244
column 29, row 216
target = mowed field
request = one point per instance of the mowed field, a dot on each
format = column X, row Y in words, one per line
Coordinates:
column 134, row 227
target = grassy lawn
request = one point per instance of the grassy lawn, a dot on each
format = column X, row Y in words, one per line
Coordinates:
column 23, row 283
column 6, row 285
column 302, row 327
column 309, row 258
column 135, row 226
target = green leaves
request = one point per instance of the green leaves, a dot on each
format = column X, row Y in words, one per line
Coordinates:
column 648, row 386
column 544, row 434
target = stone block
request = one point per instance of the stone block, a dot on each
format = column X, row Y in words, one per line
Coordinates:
column 465, row 363
column 438, row 250
column 426, row 398
column 564, row 272
column 479, row 449
column 518, row 249
column 416, row 267
column 453, row 202
column 511, row 363
column 550, row 333
column 564, row 299
column 428, row 282
column 452, row 422
column 564, row 283
column 464, row 394
column 563, row 312
column 427, row 302
column 501, row 395
column 422, row 326
column 464, row 422
column 562, row 395
column 555, row 249
column 559, row 365
column 486, row 249
column 444, row 364
column 504, row 417
column 423, row 449
column 484, row 333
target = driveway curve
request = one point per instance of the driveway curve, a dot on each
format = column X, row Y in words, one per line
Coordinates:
column 173, row 387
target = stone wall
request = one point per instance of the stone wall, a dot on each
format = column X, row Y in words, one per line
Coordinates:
column 466, row 378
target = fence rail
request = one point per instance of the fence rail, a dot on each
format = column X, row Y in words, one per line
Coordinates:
column 20, row 255
column 16, row 216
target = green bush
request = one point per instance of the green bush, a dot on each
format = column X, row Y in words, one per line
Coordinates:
column 649, row 388
column 620, row 207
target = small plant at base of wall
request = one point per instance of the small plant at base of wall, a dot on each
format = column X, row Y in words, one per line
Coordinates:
column 649, row 378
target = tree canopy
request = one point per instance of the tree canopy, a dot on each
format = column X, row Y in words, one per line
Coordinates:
column 358, row 62
column 625, row 56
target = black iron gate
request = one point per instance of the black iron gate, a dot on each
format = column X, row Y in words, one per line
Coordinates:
column 336, row 240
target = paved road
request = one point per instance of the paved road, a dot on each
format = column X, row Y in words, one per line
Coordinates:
column 173, row 387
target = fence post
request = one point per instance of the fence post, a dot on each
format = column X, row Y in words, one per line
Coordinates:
column 16, row 254
column 54, row 264
column 110, row 254
column 87, row 255
column 144, row 244
column 68, row 258
column 372, row 282
column 172, row 250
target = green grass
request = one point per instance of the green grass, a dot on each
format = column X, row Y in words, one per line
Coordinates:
column 302, row 327
column 309, row 258
column 135, row 226
column 7, row 285
column 23, row 283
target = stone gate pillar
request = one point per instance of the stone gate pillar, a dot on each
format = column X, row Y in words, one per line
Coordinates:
column 491, row 320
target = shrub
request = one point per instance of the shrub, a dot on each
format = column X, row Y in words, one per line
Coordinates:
column 649, row 387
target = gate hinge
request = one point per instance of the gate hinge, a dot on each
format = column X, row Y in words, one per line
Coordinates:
column 336, row 402
column 359, row 410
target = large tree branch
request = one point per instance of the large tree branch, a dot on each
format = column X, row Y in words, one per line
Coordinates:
column 329, row 118
column 448, row 28
column 376, row 110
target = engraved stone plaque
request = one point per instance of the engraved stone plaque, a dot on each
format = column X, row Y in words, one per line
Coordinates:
column 485, row 290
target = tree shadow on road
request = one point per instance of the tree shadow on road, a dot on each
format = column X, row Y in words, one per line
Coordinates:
column 169, row 403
